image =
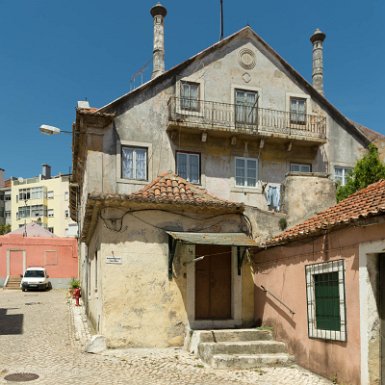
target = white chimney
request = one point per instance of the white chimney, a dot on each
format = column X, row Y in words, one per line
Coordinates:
column 158, row 12
column 318, row 67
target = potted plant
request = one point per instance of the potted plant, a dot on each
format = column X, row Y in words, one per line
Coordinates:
column 74, row 284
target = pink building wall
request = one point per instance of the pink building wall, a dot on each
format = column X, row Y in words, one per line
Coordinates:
column 58, row 255
column 281, row 270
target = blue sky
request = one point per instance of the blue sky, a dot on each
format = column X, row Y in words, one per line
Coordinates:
column 53, row 53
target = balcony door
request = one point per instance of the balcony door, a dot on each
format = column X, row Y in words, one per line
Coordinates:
column 246, row 105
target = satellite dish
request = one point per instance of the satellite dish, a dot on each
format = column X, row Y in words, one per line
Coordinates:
column 20, row 180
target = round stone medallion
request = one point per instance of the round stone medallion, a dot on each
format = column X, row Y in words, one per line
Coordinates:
column 247, row 58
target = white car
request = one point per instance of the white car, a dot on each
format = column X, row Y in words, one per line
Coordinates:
column 35, row 278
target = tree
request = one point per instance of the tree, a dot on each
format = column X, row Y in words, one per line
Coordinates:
column 4, row 229
column 368, row 169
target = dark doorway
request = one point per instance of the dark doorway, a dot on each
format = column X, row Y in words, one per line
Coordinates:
column 213, row 282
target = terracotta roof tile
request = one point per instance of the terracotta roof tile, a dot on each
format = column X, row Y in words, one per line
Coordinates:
column 171, row 188
column 367, row 202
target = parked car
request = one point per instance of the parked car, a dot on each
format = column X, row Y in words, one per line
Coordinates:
column 35, row 278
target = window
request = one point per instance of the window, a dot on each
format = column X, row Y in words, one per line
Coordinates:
column 24, row 212
column 66, row 196
column 8, row 214
column 37, row 193
column 7, row 196
column 300, row 167
column 325, row 293
column 189, row 96
column 246, row 106
column 134, row 163
column 24, row 194
column 38, row 211
column 188, row 166
column 50, row 229
column 246, row 172
column 297, row 110
column 50, row 195
column 341, row 175
column 50, row 213
column 66, row 213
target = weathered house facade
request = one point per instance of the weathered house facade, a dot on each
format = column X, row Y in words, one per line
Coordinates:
column 205, row 160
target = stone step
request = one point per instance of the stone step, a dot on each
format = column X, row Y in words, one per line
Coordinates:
column 250, row 361
column 233, row 335
column 208, row 349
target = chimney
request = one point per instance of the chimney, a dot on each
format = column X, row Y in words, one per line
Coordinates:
column 158, row 12
column 2, row 184
column 318, row 66
column 46, row 171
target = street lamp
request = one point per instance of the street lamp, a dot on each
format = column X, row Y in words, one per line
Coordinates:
column 51, row 130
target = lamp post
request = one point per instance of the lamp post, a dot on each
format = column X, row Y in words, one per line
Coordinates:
column 51, row 130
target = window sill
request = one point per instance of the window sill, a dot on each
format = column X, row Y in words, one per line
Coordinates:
column 132, row 181
column 248, row 190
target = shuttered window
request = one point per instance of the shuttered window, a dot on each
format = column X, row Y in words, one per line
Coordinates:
column 325, row 293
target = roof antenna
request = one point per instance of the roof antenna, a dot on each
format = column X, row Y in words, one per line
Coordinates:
column 221, row 19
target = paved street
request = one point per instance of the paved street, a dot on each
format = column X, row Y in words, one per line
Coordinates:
column 38, row 335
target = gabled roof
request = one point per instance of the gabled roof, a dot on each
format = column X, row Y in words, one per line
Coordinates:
column 363, row 204
column 33, row 230
column 169, row 188
column 246, row 32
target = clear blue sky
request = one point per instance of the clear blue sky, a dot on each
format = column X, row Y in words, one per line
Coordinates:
column 53, row 53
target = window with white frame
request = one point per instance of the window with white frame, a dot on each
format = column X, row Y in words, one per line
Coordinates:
column 134, row 162
column 325, row 293
column 188, row 166
column 50, row 213
column 50, row 194
column 341, row 174
column 246, row 106
column 246, row 172
column 300, row 167
column 189, row 96
column 297, row 110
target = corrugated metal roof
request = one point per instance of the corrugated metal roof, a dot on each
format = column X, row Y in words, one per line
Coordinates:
column 225, row 239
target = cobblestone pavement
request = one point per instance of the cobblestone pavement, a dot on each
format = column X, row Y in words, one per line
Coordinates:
column 42, row 333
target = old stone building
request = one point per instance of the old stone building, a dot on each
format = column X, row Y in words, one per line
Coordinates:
column 176, row 180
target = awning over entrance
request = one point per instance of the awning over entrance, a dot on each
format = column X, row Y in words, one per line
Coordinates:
column 223, row 239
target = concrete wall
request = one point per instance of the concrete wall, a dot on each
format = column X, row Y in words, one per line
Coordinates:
column 58, row 255
column 306, row 195
column 281, row 270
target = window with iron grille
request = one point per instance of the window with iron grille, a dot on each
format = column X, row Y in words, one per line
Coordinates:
column 325, row 292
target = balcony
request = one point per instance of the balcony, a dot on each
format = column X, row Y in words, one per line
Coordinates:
column 244, row 119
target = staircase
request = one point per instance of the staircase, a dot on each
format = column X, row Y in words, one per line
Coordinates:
column 239, row 348
column 13, row 283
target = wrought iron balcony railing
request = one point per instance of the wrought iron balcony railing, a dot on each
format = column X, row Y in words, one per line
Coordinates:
column 242, row 117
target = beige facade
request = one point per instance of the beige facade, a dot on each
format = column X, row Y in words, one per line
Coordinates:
column 236, row 120
column 44, row 200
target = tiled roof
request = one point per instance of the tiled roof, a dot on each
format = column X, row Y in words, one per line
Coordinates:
column 33, row 230
column 365, row 203
column 171, row 188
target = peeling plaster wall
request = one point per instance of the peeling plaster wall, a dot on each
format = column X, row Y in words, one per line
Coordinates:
column 135, row 304
column 305, row 195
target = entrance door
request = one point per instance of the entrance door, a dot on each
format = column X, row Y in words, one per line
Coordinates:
column 16, row 263
column 213, row 282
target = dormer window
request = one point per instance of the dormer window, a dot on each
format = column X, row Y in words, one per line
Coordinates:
column 297, row 110
column 189, row 95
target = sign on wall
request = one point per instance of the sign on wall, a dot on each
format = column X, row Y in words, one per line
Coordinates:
column 113, row 260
